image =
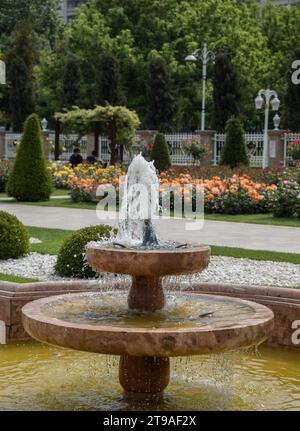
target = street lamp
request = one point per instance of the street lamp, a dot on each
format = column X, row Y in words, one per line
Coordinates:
column 205, row 56
column 2, row 73
column 270, row 96
column 276, row 121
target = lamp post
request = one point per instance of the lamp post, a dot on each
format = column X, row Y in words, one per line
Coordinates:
column 270, row 96
column 2, row 73
column 205, row 56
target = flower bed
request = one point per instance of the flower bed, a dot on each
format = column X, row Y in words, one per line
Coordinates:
column 232, row 195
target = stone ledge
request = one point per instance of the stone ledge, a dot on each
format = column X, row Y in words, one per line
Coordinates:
column 284, row 302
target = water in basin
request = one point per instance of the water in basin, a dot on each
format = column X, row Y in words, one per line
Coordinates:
column 181, row 311
column 35, row 376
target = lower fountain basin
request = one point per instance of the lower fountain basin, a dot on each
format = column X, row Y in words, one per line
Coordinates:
column 191, row 324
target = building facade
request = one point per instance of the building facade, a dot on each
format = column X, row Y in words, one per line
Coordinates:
column 67, row 8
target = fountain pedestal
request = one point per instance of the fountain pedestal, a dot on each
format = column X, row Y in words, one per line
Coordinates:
column 146, row 294
column 144, row 378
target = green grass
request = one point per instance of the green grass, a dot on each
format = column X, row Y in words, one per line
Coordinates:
column 55, row 192
column 15, row 279
column 256, row 254
column 52, row 239
column 267, row 219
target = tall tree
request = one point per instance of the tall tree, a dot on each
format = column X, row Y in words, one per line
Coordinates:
column 21, row 102
column 108, row 92
column 292, row 99
column 46, row 22
column 107, row 80
column 21, row 60
column 226, row 92
column 161, row 103
column 71, row 84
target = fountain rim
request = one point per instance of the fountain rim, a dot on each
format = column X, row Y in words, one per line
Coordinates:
column 38, row 325
column 191, row 248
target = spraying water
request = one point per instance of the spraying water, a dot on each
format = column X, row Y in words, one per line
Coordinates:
column 139, row 205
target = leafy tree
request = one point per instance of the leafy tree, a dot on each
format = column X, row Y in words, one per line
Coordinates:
column 292, row 99
column 160, row 153
column 226, row 92
column 161, row 103
column 43, row 13
column 234, row 152
column 30, row 179
column 71, row 84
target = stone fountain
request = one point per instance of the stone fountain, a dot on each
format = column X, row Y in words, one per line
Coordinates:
column 147, row 326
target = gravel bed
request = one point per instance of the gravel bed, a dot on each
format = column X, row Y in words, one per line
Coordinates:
column 221, row 269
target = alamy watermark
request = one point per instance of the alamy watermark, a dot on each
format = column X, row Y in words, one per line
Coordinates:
column 171, row 202
column 296, row 333
column 296, row 73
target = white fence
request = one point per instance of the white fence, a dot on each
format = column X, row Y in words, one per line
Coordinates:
column 255, row 146
column 67, row 144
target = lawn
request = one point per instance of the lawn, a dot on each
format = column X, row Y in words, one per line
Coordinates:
column 15, row 279
column 53, row 239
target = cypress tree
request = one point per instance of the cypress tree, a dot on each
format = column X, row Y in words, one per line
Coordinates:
column 160, row 153
column 21, row 102
column 161, row 103
column 292, row 99
column 71, row 84
column 234, row 152
column 30, row 179
column 226, row 92
column 107, row 80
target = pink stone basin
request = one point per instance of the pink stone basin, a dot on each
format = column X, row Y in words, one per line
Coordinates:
column 178, row 331
column 148, row 263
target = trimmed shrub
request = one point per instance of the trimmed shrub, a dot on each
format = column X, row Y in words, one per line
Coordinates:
column 71, row 261
column 30, row 178
column 160, row 153
column 287, row 200
column 234, row 152
column 14, row 238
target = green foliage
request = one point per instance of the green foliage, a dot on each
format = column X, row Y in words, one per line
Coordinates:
column 83, row 120
column 160, row 153
column 14, row 238
column 107, row 80
column 234, row 152
column 30, row 178
column 161, row 103
column 287, row 200
column 21, row 102
column 71, row 84
column 226, row 93
column 194, row 149
column 71, row 261
column 20, row 63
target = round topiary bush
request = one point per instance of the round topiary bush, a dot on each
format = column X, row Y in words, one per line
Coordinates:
column 71, row 261
column 14, row 238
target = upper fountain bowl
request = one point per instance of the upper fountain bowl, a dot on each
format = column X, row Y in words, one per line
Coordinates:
column 148, row 263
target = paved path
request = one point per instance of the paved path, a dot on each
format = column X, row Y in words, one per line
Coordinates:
column 241, row 235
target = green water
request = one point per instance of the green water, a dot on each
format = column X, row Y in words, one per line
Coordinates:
column 35, row 376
